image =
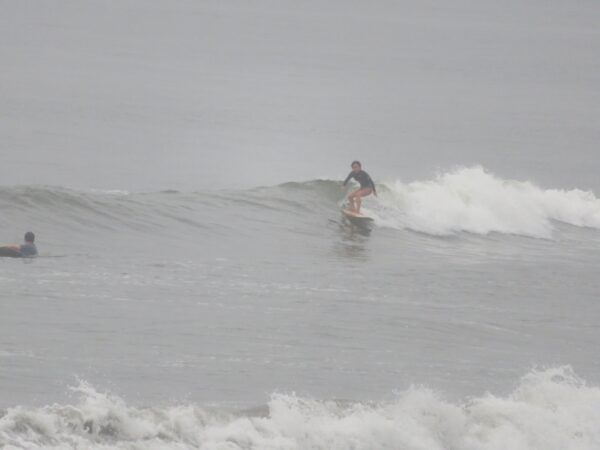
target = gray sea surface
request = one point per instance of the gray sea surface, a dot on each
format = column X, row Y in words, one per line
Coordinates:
column 197, row 285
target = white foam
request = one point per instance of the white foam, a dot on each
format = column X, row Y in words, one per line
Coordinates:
column 474, row 200
column 549, row 410
column 115, row 192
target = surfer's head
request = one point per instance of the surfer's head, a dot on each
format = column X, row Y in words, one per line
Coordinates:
column 356, row 166
column 29, row 237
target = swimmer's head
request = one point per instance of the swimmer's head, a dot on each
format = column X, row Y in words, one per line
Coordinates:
column 29, row 237
column 356, row 166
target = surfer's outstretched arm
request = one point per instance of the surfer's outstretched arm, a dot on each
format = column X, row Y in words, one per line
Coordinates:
column 348, row 179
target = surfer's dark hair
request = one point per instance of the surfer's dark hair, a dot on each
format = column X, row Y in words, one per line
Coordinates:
column 356, row 162
column 29, row 237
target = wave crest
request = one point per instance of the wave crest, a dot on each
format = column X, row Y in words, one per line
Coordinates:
column 464, row 200
column 475, row 201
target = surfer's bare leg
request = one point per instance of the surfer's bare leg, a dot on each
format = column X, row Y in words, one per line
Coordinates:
column 352, row 198
column 356, row 200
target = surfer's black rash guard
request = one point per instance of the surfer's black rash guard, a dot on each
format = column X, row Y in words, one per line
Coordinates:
column 363, row 178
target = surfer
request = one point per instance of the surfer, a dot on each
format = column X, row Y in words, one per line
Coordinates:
column 26, row 250
column 367, row 187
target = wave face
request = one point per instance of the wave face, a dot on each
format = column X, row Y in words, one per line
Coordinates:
column 549, row 410
column 465, row 200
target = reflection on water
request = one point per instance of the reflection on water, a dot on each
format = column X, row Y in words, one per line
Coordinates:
column 356, row 227
column 352, row 239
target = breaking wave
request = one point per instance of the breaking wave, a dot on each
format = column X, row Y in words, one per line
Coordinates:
column 464, row 200
column 551, row 409
column 475, row 201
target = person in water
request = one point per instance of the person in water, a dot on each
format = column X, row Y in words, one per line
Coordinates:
column 27, row 250
column 367, row 187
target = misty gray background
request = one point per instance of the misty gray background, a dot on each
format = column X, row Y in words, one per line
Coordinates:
column 147, row 95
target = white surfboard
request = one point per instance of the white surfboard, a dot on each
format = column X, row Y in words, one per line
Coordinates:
column 353, row 215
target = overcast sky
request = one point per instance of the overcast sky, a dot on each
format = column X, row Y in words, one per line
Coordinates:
column 148, row 95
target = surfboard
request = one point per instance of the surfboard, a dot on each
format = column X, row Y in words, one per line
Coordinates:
column 353, row 215
column 9, row 252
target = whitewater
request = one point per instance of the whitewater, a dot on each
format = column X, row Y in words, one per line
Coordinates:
column 472, row 200
column 551, row 409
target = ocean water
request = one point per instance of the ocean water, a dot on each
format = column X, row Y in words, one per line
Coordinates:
column 197, row 286
column 262, row 319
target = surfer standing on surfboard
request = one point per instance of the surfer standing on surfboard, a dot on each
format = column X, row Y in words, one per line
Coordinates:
column 367, row 187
